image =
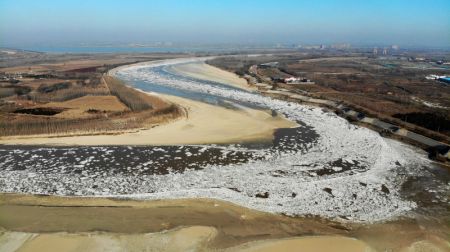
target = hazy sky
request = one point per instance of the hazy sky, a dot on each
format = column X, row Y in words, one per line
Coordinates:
column 51, row 22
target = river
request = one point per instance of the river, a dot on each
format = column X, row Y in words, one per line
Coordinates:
column 326, row 167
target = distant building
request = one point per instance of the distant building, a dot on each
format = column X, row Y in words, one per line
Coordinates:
column 323, row 47
column 297, row 80
column 441, row 78
column 395, row 47
column 432, row 77
column 312, row 47
column 445, row 79
column 435, row 77
column 375, row 51
column 341, row 46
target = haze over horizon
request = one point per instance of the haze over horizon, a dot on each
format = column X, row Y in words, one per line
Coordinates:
column 54, row 23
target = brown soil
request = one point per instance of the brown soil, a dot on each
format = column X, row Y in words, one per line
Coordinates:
column 235, row 225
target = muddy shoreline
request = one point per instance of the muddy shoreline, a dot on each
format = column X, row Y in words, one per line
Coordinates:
column 235, row 224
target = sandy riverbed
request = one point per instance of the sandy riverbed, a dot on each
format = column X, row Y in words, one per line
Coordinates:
column 196, row 238
column 203, row 71
column 48, row 223
column 204, row 123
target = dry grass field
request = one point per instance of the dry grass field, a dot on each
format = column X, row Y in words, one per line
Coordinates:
column 75, row 97
column 393, row 88
column 386, row 88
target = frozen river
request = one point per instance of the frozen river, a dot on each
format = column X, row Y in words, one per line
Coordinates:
column 325, row 167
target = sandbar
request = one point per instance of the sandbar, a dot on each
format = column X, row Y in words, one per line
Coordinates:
column 203, row 71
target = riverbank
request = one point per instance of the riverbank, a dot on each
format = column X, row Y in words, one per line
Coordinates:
column 202, row 124
column 195, row 238
column 43, row 223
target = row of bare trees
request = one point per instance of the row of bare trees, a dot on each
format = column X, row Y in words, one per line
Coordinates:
column 67, row 94
column 134, row 99
column 100, row 123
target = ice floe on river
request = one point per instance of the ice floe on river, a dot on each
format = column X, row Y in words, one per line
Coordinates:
column 345, row 172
